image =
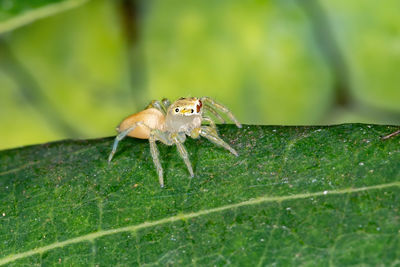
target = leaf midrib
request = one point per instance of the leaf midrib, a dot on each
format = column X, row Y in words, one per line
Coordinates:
column 131, row 228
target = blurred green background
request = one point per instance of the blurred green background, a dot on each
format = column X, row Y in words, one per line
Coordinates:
column 75, row 68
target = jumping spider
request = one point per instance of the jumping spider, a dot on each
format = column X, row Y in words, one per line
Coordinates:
column 171, row 123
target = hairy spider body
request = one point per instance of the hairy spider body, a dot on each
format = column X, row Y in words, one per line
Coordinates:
column 171, row 123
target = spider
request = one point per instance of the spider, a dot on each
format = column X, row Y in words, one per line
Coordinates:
column 171, row 123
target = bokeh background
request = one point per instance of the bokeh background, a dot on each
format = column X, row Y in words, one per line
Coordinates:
column 85, row 65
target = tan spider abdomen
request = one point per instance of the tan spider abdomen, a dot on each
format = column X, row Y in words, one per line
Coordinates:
column 151, row 117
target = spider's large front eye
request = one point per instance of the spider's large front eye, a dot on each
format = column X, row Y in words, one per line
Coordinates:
column 191, row 111
column 177, row 110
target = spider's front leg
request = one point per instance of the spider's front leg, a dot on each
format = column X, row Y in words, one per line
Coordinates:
column 212, row 135
column 214, row 112
column 209, row 102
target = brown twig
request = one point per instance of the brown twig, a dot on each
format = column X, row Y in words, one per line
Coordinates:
column 391, row 135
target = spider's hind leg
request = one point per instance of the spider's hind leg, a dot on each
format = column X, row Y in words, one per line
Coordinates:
column 121, row 136
column 166, row 102
column 157, row 105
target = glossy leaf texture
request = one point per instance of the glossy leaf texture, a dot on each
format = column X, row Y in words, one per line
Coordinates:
column 295, row 195
column 17, row 13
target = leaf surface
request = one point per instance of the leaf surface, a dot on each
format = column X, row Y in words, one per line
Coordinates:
column 295, row 195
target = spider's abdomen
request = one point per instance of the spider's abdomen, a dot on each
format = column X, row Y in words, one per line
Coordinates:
column 151, row 117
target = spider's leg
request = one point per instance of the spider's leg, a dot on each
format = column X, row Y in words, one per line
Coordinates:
column 157, row 105
column 222, row 108
column 163, row 137
column 212, row 123
column 155, row 155
column 121, row 136
column 214, row 112
column 212, row 135
column 183, row 153
column 166, row 103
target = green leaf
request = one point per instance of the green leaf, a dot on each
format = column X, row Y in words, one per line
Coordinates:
column 295, row 195
column 16, row 13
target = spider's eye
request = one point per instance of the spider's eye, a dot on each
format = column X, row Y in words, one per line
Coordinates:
column 177, row 110
column 191, row 110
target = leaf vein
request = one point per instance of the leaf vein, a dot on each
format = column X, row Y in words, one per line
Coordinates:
column 132, row 228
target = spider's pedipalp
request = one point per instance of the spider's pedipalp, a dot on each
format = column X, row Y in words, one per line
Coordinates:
column 211, row 134
column 222, row 108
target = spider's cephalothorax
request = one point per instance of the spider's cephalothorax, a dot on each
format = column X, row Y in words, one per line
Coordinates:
column 184, row 115
column 171, row 123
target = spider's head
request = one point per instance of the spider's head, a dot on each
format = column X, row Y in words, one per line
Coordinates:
column 184, row 115
column 186, row 107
